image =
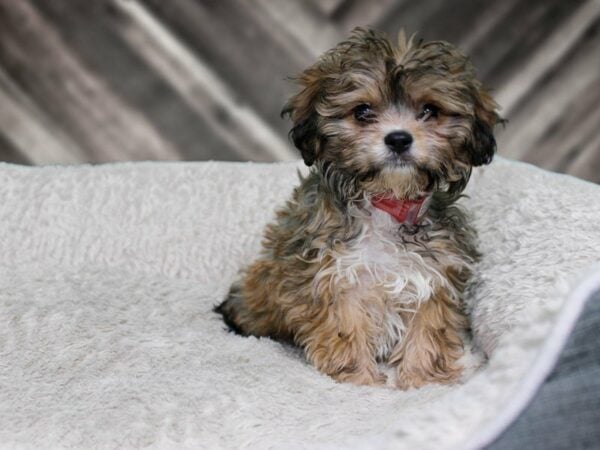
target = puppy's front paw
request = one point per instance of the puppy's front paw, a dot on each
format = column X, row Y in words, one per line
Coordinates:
column 362, row 377
column 441, row 372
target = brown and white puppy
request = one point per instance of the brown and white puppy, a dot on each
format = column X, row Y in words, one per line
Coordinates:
column 368, row 261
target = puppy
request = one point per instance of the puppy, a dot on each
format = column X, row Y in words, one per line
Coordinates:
column 368, row 261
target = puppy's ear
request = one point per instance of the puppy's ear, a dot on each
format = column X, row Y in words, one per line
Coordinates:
column 482, row 143
column 301, row 108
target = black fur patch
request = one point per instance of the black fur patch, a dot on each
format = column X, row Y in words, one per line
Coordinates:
column 231, row 325
column 483, row 145
column 305, row 137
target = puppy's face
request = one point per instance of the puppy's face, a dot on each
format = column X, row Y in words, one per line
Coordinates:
column 407, row 119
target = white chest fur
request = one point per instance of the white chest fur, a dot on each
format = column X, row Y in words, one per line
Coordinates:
column 382, row 259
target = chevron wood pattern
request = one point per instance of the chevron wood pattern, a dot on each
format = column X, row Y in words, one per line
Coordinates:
column 120, row 80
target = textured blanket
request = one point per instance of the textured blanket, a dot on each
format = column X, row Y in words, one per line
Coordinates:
column 108, row 275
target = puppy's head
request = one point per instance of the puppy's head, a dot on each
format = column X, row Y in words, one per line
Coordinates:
column 409, row 118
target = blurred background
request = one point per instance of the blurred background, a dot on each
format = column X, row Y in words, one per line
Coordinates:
column 121, row 80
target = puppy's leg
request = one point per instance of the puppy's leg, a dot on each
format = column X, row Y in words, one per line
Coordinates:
column 432, row 345
column 251, row 307
column 338, row 342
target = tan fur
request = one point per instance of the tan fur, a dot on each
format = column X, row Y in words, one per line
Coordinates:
column 432, row 346
column 342, row 279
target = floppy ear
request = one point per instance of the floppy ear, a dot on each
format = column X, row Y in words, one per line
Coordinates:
column 301, row 108
column 482, row 144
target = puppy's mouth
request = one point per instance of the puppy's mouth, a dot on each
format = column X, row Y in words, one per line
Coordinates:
column 404, row 159
column 406, row 162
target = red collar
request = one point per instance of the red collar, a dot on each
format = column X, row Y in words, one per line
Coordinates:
column 403, row 210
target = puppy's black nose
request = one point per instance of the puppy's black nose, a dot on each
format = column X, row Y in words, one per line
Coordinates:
column 398, row 141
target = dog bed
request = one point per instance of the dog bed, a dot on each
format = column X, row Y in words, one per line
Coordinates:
column 108, row 277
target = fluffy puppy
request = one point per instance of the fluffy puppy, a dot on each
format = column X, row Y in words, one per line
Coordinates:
column 368, row 261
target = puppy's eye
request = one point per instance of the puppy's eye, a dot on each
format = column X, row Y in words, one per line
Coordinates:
column 428, row 111
column 364, row 113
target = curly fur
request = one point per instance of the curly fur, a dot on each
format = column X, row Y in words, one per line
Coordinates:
column 343, row 279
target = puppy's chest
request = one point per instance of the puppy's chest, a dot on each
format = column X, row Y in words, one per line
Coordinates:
column 387, row 272
column 392, row 262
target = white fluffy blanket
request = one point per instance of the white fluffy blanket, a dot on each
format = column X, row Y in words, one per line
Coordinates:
column 107, row 339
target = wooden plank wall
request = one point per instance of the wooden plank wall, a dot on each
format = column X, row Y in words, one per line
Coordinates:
column 115, row 80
